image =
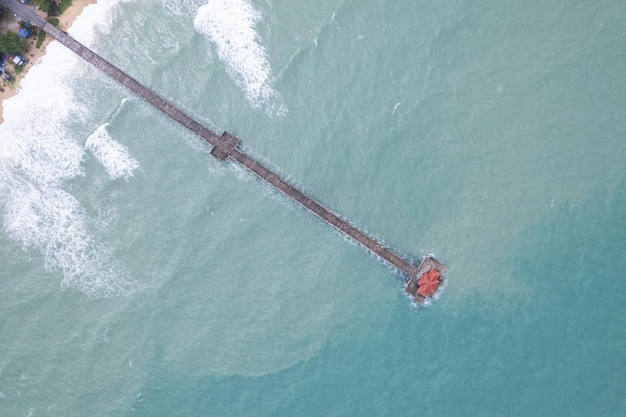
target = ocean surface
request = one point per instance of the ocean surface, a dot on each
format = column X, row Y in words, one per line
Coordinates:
column 141, row 277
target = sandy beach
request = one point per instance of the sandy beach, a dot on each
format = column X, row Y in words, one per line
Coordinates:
column 34, row 54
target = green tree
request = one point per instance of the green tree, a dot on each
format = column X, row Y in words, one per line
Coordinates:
column 48, row 6
column 11, row 43
column 43, row 4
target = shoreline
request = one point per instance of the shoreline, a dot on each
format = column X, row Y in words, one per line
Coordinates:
column 35, row 54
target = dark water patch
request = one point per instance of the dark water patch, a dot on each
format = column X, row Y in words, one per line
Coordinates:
column 573, row 264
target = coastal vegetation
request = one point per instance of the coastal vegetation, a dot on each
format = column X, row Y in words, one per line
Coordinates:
column 41, row 37
column 53, row 7
column 12, row 43
column 64, row 5
column 48, row 6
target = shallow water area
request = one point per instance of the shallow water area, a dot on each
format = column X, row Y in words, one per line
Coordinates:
column 154, row 280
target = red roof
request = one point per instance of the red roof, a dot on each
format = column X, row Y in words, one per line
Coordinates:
column 428, row 283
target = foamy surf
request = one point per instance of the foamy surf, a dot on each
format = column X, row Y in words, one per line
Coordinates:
column 113, row 156
column 182, row 7
column 95, row 19
column 53, row 221
column 39, row 155
column 230, row 25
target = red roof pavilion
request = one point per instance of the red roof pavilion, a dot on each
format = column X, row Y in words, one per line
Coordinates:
column 429, row 282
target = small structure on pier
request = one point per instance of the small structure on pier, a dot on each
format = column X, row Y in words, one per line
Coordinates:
column 427, row 280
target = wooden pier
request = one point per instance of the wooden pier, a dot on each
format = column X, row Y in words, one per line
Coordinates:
column 226, row 147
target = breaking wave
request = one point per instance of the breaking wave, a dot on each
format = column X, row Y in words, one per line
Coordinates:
column 95, row 19
column 53, row 221
column 230, row 25
column 40, row 155
column 113, row 156
column 182, row 7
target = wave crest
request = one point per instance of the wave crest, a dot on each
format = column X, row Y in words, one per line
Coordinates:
column 230, row 25
column 113, row 156
column 53, row 221
column 39, row 156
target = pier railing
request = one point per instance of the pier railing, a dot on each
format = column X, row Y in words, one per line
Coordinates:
column 224, row 146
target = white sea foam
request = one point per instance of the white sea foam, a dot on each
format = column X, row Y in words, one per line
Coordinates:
column 113, row 156
column 53, row 221
column 182, row 7
column 35, row 145
column 230, row 25
column 95, row 19
column 38, row 155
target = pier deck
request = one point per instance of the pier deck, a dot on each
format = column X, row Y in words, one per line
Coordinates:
column 429, row 262
column 225, row 146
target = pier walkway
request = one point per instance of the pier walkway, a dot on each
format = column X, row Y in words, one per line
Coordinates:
column 224, row 146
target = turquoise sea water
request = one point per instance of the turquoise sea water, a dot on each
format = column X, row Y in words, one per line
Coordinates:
column 141, row 277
